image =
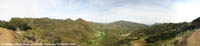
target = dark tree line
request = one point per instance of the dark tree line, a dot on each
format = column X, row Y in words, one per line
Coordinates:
column 14, row 24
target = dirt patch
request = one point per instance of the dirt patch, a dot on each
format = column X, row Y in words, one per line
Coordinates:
column 193, row 39
column 136, row 44
column 8, row 36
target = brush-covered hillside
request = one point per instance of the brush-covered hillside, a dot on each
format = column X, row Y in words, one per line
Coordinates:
column 165, row 34
column 86, row 33
column 81, row 32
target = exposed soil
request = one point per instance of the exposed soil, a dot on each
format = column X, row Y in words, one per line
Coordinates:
column 193, row 39
column 8, row 36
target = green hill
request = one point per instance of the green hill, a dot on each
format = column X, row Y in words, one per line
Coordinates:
column 130, row 25
column 84, row 33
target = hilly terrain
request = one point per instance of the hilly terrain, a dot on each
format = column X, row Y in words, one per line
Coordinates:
column 127, row 24
column 86, row 33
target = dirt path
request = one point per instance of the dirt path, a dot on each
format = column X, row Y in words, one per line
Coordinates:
column 125, row 35
column 194, row 39
column 8, row 36
column 136, row 44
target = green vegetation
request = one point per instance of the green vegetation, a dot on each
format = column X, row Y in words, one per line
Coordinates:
column 45, row 30
column 84, row 33
column 99, row 36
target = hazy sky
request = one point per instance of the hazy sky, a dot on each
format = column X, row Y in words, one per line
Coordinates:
column 142, row 11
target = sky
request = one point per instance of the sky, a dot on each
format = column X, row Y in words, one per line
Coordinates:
column 104, row 11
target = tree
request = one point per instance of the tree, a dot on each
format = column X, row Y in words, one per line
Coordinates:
column 18, row 23
column 5, row 24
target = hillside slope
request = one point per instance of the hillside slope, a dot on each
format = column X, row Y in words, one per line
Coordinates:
column 127, row 24
column 193, row 39
column 46, row 30
column 8, row 36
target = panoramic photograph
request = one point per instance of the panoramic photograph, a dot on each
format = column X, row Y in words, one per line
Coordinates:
column 99, row 22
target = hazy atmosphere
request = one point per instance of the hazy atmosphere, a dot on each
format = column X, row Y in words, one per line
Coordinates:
column 104, row 11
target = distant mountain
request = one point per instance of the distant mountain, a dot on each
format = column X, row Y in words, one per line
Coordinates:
column 130, row 25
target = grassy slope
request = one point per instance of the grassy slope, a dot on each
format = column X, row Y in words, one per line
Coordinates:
column 78, row 31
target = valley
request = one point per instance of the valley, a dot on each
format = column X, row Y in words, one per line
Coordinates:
column 86, row 33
